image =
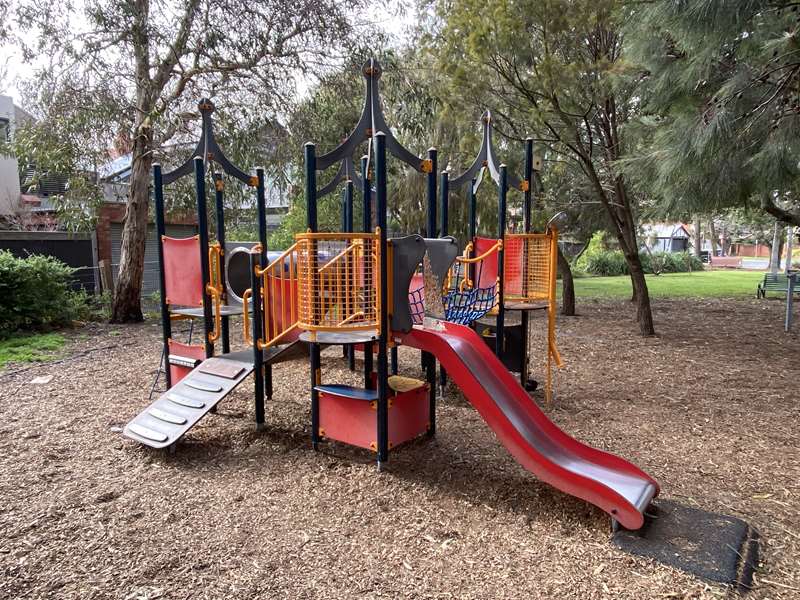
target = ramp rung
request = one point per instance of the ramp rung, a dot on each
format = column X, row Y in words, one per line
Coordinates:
column 168, row 417
column 203, row 387
column 147, row 433
column 184, row 401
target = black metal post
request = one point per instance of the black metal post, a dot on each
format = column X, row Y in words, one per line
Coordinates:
column 431, row 195
column 383, row 367
column 202, row 226
column 367, row 227
column 258, row 371
column 261, row 207
column 166, row 323
column 219, row 187
column 501, row 230
column 311, row 223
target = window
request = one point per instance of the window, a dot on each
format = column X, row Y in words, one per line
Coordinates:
column 5, row 130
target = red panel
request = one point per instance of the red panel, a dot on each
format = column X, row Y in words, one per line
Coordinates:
column 355, row 421
column 282, row 295
column 486, row 270
column 408, row 416
column 183, row 276
column 178, row 372
column 513, row 257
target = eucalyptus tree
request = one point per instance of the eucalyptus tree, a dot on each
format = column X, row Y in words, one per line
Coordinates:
column 156, row 58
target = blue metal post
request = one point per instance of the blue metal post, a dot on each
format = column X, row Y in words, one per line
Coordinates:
column 311, row 223
column 428, row 360
column 383, row 367
column 444, row 199
column 258, row 373
column 166, row 323
column 219, row 187
column 526, row 221
column 473, row 225
column 261, row 204
column 202, row 226
column 367, row 227
column 501, row 230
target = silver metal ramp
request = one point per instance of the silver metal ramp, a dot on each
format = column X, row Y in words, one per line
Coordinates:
column 179, row 408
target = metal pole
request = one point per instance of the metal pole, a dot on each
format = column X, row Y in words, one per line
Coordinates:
column 166, row 323
column 383, row 369
column 261, row 204
column 258, row 371
column 202, row 226
column 444, row 197
column 526, row 221
column 311, row 223
column 473, row 225
column 350, row 351
column 219, row 187
column 501, row 229
column 367, row 227
column 427, row 358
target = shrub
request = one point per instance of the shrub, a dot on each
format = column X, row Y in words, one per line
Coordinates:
column 608, row 263
column 35, row 294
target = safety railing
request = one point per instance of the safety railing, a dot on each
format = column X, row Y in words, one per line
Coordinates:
column 530, row 266
column 214, row 288
column 338, row 281
column 279, row 293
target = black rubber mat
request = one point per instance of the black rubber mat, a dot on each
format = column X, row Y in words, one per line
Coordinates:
column 715, row 547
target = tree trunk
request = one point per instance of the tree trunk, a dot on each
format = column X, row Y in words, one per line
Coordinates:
column 127, row 306
column 775, row 248
column 712, row 233
column 698, row 236
column 567, row 286
column 644, row 313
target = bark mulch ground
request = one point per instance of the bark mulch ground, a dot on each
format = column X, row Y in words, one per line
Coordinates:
column 709, row 407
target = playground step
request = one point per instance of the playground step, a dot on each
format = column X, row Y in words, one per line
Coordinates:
column 348, row 391
column 178, row 409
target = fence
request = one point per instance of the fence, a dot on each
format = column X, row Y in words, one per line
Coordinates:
column 78, row 250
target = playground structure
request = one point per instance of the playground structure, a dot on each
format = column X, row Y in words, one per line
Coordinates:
column 363, row 289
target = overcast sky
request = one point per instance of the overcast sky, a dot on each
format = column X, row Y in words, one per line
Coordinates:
column 393, row 16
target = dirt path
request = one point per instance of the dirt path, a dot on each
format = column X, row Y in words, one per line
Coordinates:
column 710, row 408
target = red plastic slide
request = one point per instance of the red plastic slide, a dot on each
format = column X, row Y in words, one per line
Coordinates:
column 607, row 481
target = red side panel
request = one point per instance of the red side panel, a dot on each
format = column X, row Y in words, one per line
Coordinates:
column 607, row 481
column 355, row 421
column 178, row 372
column 281, row 305
column 183, row 276
column 485, row 270
column 513, row 251
column 513, row 257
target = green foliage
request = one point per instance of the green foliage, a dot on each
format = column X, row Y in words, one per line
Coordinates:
column 30, row 348
column 608, row 263
column 721, row 105
column 35, row 294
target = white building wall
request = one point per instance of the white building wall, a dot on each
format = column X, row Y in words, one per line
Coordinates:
column 9, row 174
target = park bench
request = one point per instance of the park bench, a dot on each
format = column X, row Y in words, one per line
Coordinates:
column 773, row 282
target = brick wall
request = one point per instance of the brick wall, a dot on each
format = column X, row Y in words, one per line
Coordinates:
column 114, row 212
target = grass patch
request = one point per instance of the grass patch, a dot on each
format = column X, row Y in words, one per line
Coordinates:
column 30, row 348
column 699, row 284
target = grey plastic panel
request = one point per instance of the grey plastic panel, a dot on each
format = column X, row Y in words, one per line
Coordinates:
column 407, row 253
column 441, row 252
